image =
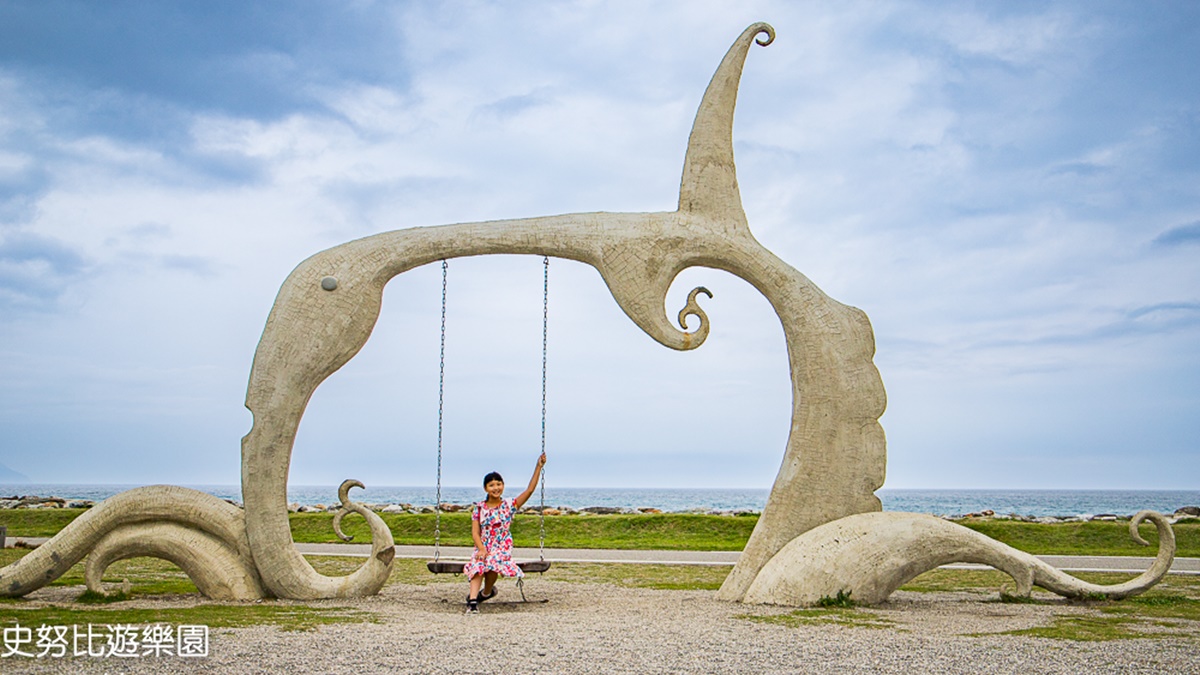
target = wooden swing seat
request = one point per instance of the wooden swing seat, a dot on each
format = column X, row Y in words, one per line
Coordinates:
column 451, row 567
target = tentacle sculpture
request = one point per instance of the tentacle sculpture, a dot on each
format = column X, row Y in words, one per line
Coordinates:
column 147, row 517
column 327, row 307
column 870, row 555
column 218, row 571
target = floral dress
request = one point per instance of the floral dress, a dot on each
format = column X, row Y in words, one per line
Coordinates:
column 494, row 524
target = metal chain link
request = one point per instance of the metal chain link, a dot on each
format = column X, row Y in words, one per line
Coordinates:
column 437, row 507
column 545, row 333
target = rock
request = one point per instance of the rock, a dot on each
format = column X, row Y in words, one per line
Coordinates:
column 42, row 502
column 426, row 509
column 649, row 509
column 9, row 503
column 1188, row 511
column 294, row 507
column 394, row 508
column 987, row 513
column 451, row 508
column 601, row 510
column 80, row 504
column 1105, row 517
column 549, row 511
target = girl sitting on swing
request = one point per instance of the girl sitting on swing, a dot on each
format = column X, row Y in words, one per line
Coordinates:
column 490, row 523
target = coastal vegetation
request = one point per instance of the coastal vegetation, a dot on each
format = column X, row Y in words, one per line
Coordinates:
column 666, row 531
column 1166, row 610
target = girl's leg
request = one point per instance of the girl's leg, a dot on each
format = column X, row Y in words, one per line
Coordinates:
column 489, row 582
column 476, row 581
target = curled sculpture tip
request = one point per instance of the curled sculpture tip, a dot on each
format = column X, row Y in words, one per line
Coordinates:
column 766, row 33
column 344, row 491
column 347, row 507
column 692, row 308
column 1138, row 520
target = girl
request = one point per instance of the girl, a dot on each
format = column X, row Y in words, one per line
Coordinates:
column 490, row 523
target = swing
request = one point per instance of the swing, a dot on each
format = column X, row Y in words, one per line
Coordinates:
column 540, row 565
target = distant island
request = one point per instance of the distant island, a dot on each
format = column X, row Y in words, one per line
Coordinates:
column 7, row 475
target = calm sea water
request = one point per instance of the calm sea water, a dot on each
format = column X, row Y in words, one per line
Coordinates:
column 938, row 502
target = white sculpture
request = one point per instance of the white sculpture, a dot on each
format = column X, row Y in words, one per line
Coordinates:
column 325, row 311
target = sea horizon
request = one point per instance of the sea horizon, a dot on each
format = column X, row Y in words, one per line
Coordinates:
column 1038, row 502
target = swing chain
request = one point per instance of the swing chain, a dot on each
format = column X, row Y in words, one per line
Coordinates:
column 545, row 333
column 437, row 527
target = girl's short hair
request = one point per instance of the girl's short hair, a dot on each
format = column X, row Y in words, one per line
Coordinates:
column 491, row 477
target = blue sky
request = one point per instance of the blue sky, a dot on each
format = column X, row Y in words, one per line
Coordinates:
column 1011, row 191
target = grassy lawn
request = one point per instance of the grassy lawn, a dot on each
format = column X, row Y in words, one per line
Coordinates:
column 670, row 531
column 667, row 531
column 1090, row 538
column 1173, row 604
column 151, row 577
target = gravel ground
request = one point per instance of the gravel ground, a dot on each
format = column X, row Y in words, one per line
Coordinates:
column 605, row 629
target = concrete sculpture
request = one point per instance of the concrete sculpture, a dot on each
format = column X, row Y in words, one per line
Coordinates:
column 326, row 309
column 869, row 555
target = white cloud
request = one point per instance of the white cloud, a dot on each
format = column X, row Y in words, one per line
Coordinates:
column 925, row 165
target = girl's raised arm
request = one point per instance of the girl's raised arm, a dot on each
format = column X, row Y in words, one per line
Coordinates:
column 533, row 481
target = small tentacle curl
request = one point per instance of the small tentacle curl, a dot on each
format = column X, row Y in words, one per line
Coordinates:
column 692, row 308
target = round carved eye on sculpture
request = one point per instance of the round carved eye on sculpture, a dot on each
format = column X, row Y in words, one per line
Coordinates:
column 329, row 283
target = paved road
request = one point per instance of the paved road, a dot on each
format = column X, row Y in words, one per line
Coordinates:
column 1071, row 563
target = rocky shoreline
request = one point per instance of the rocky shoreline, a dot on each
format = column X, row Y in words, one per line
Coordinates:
column 38, row 502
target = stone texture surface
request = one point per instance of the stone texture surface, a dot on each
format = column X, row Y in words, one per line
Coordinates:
column 870, row 555
column 171, row 521
column 328, row 306
column 597, row 628
column 834, row 460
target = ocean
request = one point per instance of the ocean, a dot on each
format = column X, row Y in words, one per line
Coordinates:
column 937, row 502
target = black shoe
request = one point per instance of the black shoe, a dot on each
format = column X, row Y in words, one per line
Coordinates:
column 472, row 606
column 489, row 596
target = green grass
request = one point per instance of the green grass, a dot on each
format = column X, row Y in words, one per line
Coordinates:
column 1090, row 538
column 666, row 531
column 37, row 522
column 1139, row 617
column 1082, row 629
column 153, row 576
column 284, row 615
column 837, row 616
column 1173, row 605
column 669, row 531
column 990, row 581
column 842, row 599
column 662, row 577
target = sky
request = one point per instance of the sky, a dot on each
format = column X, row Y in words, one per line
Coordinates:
column 1010, row 191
